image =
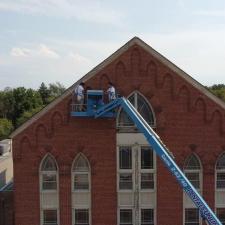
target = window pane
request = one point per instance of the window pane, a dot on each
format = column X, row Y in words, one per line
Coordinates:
column 220, row 183
column 147, row 217
column 126, row 217
column 194, row 179
column 221, row 163
column 81, row 182
column 49, row 182
column 191, row 216
column 144, row 109
column 125, row 181
column 192, row 163
column 146, row 158
column 220, row 212
column 81, row 217
column 125, row 158
column 48, row 164
column 124, row 120
column 50, row 217
column 81, row 165
column 147, row 181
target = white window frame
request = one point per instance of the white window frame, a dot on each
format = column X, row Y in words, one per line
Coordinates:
column 216, row 172
column 200, row 172
column 81, row 208
column 42, row 191
column 73, row 172
column 41, row 173
column 136, row 141
column 42, row 215
column 120, row 171
column 219, row 191
column 152, row 171
column 77, row 191
column 199, row 216
column 217, row 214
column 154, row 213
column 136, row 93
column 125, row 208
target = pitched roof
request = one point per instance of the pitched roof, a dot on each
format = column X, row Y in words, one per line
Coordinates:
column 133, row 41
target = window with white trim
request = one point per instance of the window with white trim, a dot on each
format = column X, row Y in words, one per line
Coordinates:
column 50, row 217
column 192, row 216
column 142, row 106
column 147, row 216
column 220, row 172
column 81, row 174
column 48, row 174
column 125, row 168
column 49, row 191
column 147, row 168
column 192, row 170
column 81, row 191
column 81, row 217
column 220, row 188
column 220, row 212
column 126, row 217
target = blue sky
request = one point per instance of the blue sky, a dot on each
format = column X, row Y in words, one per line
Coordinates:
column 61, row 40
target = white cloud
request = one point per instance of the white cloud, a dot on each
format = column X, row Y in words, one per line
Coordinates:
column 20, row 52
column 89, row 11
column 77, row 58
column 41, row 50
column 47, row 52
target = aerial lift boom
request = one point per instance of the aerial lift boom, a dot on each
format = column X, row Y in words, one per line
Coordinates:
column 160, row 149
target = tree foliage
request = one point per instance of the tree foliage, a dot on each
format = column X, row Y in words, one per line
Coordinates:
column 5, row 128
column 218, row 90
column 19, row 104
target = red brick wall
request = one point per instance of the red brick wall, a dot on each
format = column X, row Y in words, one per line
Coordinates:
column 187, row 121
column 6, row 208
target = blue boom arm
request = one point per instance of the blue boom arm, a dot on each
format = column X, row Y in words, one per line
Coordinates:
column 161, row 150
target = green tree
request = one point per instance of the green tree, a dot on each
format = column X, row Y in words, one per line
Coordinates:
column 27, row 115
column 218, row 90
column 44, row 93
column 56, row 89
column 5, row 128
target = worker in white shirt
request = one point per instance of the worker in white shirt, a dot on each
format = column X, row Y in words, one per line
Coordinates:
column 111, row 92
column 79, row 92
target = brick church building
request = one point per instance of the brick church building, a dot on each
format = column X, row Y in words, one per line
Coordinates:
column 84, row 171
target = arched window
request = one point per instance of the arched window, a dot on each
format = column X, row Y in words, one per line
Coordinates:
column 81, row 196
column 220, row 172
column 48, row 174
column 49, row 191
column 220, row 188
column 81, row 173
column 142, row 106
column 193, row 171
